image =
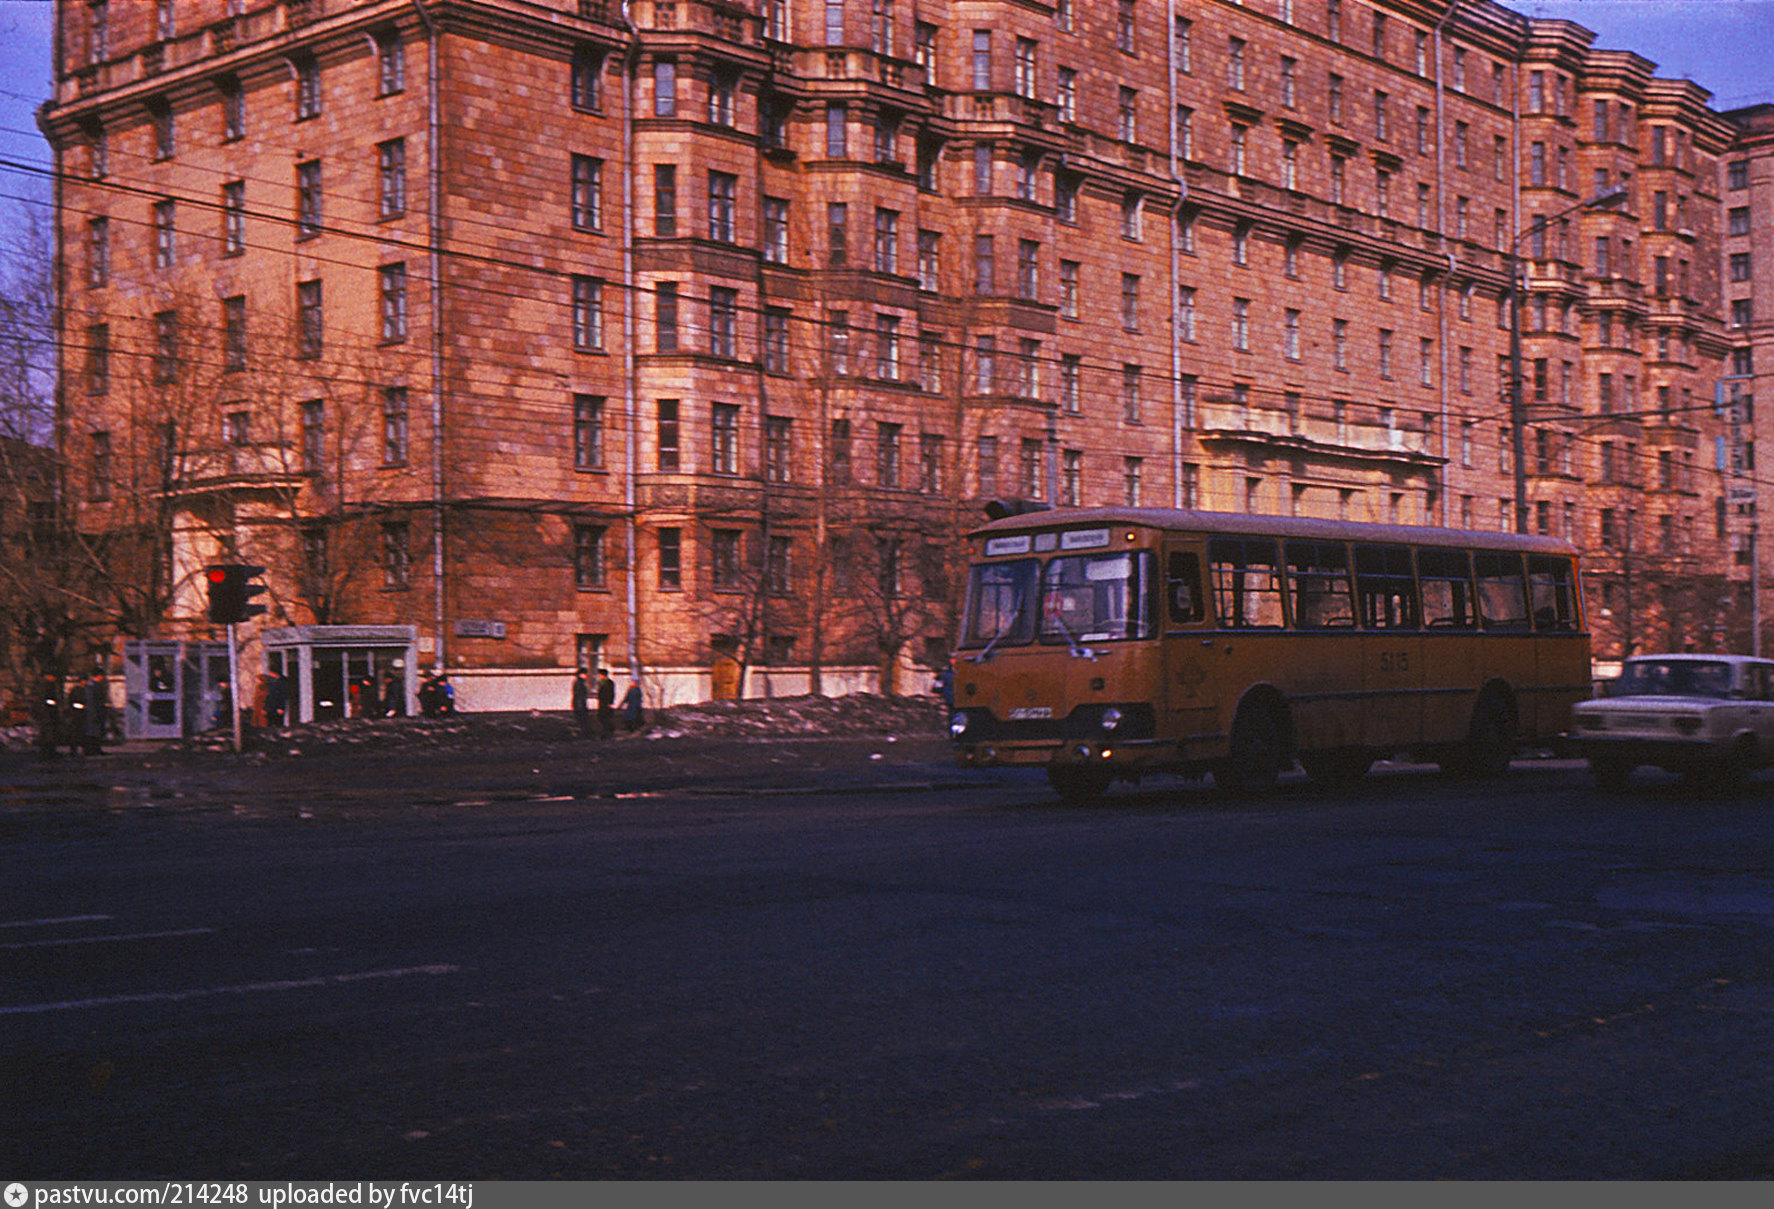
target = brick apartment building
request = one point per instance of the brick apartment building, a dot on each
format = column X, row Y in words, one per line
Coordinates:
column 687, row 334
column 1746, row 186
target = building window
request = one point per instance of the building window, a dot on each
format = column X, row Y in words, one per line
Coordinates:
column 930, row 463
column 98, row 252
column 722, row 187
column 776, row 230
column 929, row 245
column 313, row 436
column 588, row 193
column 1130, row 302
column 840, row 451
column 723, row 320
column 588, row 313
column 393, row 280
column 308, row 216
column 665, row 88
column 1070, row 369
column 1131, row 408
column 165, row 234
column 667, row 448
column 1127, row 115
column 721, row 85
column 930, row 362
column 1238, row 165
column 160, row 117
column 984, row 265
column 1028, row 261
column 1066, row 94
column 778, row 449
column 1068, row 289
column 397, row 555
column 394, row 426
column 98, row 358
column 837, row 234
column 985, row 353
column 1742, row 312
column 776, row 358
column 392, row 161
column 886, row 241
column 779, row 582
column 98, row 485
column 588, row 556
column 1290, row 335
column 234, row 333
column 307, row 87
column 1241, row 325
column 1124, row 27
column 1133, row 473
column 585, row 84
column 588, row 432
column 834, row 22
column 887, row 454
column 391, row 63
column 310, row 320
column 838, row 341
column 723, row 426
column 924, row 50
column 1737, row 174
column 988, row 466
column 1024, row 80
column 1385, row 352
column 234, row 218
column 665, row 316
column 166, row 346
column 1132, row 214
column 671, row 558
column 665, row 200
column 887, row 348
column 837, row 143
column 233, row 109
column 1033, row 480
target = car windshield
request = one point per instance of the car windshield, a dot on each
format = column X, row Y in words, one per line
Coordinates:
column 1673, row 678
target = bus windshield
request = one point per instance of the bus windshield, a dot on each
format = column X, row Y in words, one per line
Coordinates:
column 1097, row 597
column 1000, row 604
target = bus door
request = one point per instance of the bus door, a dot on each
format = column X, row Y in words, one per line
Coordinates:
column 1450, row 644
column 1561, row 647
column 1244, row 575
column 1508, row 629
column 1189, row 699
column 1321, row 669
column 1392, row 672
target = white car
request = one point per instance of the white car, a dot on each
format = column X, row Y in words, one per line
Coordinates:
column 1710, row 717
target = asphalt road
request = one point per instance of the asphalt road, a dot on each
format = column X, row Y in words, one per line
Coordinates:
column 843, row 967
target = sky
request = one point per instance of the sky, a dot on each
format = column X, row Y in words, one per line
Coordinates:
column 1726, row 46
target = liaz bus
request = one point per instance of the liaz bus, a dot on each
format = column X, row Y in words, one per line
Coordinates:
column 1109, row 643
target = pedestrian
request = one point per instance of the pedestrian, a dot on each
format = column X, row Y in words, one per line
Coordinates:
column 96, row 720
column 446, row 694
column 944, row 686
column 46, row 712
column 224, row 707
column 631, row 708
column 277, row 691
column 394, row 694
column 606, row 703
column 581, row 702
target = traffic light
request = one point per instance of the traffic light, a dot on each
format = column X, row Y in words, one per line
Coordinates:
column 230, row 592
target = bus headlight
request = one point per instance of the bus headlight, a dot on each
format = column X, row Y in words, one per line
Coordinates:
column 1111, row 718
column 957, row 724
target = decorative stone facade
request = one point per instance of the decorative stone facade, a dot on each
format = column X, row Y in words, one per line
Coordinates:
column 701, row 342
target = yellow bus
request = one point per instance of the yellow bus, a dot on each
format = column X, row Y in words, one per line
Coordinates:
column 1109, row 643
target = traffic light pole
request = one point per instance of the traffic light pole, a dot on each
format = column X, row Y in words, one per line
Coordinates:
column 234, row 687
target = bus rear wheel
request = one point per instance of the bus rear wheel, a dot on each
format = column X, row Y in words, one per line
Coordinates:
column 1078, row 786
column 1491, row 741
column 1254, row 763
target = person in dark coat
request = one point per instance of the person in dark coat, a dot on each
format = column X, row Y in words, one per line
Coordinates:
column 46, row 712
column 606, row 703
column 582, row 703
column 631, row 708
column 95, row 721
column 277, row 691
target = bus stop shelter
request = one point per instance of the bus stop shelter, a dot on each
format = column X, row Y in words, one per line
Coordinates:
column 322, row 663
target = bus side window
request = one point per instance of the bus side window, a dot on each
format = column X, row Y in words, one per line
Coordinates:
column 1182, row 582
column 1551, row 590
column 1246, row 582
column 1318, row 577
column 1386, row 587
column 1446, row 584
column 1502, row 591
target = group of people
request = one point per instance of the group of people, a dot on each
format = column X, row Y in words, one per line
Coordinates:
column 604, row 692
column 78, row 715
column 437, row 696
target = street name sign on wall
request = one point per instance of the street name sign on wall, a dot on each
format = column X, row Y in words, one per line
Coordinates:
column 470, row 627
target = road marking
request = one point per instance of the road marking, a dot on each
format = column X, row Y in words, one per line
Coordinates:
column 250, row 988
column 65, row 919
column 97, row 940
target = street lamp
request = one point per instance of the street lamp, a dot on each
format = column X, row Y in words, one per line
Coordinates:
column 1518, row 411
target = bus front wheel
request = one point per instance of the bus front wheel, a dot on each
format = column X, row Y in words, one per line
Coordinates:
column 1078, row 786
column 1254, row 763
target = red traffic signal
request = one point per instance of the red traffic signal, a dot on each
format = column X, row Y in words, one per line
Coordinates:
column 231, row 592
